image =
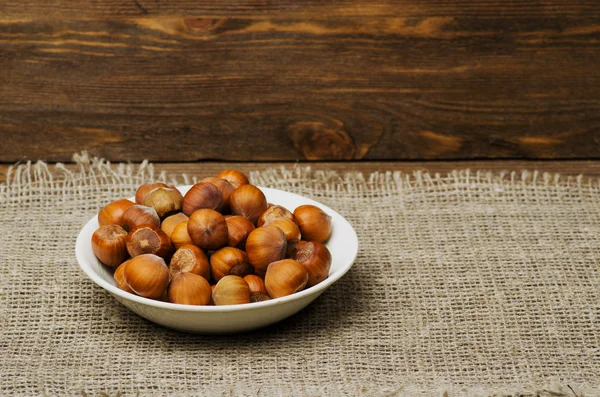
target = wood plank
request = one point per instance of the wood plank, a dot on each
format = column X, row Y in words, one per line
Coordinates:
column 589, row 168
column 84, row 9
column 239, row 89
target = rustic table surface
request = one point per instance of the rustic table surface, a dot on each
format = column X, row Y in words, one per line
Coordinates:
column 309, row 79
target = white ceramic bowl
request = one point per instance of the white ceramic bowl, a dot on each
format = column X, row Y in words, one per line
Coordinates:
column 342, row 243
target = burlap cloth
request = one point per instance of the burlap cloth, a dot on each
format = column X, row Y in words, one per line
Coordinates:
column 470, row 284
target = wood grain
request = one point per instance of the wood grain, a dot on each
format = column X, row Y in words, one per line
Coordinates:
column 299, row 8
column 429, row 80
column 589, row 168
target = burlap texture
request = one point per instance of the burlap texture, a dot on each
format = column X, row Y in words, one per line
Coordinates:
column 467, row 284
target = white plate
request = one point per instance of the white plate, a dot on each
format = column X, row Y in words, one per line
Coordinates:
column 343, row 244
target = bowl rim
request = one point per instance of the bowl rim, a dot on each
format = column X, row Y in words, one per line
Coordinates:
column 81, row 248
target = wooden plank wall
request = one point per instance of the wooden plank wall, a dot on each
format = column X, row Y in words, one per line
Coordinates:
column 283, row 80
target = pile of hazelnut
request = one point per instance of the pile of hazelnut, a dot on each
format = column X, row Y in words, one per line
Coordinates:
column 220, row 244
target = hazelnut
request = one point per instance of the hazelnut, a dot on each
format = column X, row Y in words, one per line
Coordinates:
column 208, row 229
column 285, row 277
column 248, row 201
column 109, row 244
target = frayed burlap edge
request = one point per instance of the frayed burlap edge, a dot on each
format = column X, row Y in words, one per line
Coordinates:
column 27, row 178
column 97, row 171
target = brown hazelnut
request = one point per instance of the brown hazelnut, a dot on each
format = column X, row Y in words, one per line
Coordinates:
column 248, row 201
column 147, row 275
column 145, row 188
column 314, row 223
column 231, row 290
column 291, row 231
column 202, row 195
column 225, row 187
column 119, row 277
column 109, row 244
column 274, row 212
column 208, row 229
column 165, row 200
column 190, row 289
column 316, row 259
column 112, row 214
column 138, row 215
column 148, row 239
column 285, row 277
column 236, row 178
column 180, row 235
column 238, row 229
column 189, row 259
column 264, row 245
column 258, row 292
column 229, row 260
column 170, row 222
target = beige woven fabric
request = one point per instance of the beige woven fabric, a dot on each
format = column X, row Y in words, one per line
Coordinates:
column 469, row 284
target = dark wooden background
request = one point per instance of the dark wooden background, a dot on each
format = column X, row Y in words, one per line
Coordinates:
column 263, row 80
